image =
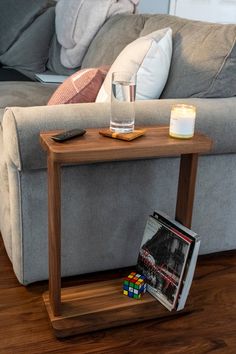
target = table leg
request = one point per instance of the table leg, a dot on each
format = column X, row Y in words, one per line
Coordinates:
column 186, row 189
column 54, row 235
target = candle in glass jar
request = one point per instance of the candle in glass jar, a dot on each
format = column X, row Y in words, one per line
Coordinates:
column 182, row 121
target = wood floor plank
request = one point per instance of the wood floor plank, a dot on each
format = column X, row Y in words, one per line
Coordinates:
column 208, row 326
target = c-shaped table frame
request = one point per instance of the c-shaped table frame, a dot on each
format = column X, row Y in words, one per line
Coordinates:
column 157, row 143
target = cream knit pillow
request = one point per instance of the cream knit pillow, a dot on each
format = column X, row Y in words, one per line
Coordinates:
column 149, row 57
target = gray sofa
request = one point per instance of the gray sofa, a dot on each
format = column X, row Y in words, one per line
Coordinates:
column 105, row 206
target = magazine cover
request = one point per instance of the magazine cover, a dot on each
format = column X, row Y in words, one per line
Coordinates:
column 163, row 259
column 192, row 257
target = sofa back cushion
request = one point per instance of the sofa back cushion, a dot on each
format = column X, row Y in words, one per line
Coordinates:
column 204, row 57
column 25, row 40
column 204, row 54
column 16, row 16
column 112, row 38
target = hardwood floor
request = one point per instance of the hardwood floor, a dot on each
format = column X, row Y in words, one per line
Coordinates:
column 208, row 324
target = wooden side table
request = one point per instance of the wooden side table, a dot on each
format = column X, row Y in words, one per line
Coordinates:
column 101, row 305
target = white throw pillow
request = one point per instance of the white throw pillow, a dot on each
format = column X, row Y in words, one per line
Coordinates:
column 149, row 57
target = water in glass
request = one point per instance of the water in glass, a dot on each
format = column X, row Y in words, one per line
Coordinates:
column 122, row 103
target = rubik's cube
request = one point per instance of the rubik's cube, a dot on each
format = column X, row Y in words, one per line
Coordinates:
column 134, row 285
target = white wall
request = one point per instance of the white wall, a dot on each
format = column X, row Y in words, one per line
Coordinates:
column 206, row 10
column 153, row 6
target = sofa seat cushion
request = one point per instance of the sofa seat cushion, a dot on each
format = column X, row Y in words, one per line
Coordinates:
column 204, row 57
column 24, row 94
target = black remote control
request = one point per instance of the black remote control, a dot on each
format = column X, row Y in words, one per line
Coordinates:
column 69, row 134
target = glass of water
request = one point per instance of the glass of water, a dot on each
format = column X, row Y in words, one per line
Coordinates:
column 122, row 102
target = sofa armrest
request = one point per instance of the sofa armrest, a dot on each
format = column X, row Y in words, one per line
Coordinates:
column 21, row 126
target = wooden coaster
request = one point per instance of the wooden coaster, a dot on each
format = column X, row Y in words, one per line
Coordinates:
column 123, row 136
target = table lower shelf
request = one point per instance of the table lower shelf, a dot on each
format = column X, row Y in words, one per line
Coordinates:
column 100, row 305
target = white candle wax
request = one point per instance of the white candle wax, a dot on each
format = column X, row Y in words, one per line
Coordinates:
column 182, row 121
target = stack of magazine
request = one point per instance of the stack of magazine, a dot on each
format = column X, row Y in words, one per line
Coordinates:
column 167, row 258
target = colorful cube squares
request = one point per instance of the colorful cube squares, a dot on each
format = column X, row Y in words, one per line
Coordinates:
column 134, row 285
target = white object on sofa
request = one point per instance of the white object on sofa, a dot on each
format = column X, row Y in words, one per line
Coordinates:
column 78, row 23
column 221, row 11
column 49, row 78
column 149, row 57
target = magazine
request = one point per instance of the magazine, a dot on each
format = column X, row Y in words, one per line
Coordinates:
column 167, row 258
